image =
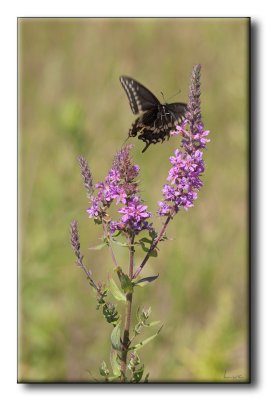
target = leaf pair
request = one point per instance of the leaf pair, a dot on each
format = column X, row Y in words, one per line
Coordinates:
column 145, row 341
column 127, row 283
column 116, row 338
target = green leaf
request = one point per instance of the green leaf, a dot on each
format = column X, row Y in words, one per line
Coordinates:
column 120, row 243
column 98, row 247
column 134, row 361
column 126, row 283
column 110, row 313
column 145, row 281
column 153, row 234
column 112, row 378
column 145, row 240
column 103, row 369
column 117, row 294
column 144, row 248
column 164, row 237
column 145, row 314
column 146, row 378
column 144, row 342
column 115, row 365
column 116, row 337
column 137, row 374
column 116, row 234
column 142, row 318
column 153, row 323
column 138, row 328
column 101, row 299
column 154, row 253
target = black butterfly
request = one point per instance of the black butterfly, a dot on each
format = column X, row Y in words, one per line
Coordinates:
column 157, row 120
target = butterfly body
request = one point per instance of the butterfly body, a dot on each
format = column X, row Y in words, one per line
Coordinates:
column 157, row 120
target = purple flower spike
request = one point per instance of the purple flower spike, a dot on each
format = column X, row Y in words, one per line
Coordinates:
column 187, row 162
column 87, row 176
column 120, row 186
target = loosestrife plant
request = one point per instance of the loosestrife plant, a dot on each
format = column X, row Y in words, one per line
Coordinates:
column 120, row 188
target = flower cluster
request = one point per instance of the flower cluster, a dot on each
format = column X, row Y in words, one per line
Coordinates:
column 134, row 218
column 192, row 141
column 187, row 164
column 120, row 186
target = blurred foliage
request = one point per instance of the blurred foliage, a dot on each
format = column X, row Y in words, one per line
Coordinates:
column 70, row 103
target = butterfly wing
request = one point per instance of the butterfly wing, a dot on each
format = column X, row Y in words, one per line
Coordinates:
column 154, row 127
column 177, row 110
column 146, row 120
column 150, row 128
column 140, row 98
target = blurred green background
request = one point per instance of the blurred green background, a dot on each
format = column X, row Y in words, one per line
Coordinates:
column 71, row 102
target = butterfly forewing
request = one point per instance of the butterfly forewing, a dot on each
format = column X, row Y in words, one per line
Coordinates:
column 140, row 98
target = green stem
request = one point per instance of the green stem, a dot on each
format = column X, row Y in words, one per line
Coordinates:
column 153, row 246
column 128, row 313
column 87, row 273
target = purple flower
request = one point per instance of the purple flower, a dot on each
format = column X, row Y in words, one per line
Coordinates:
column 120, row 186
column 134, row 211
column 94, row 210
column 187, row 162
column 134, row 216
column 180, row 129
column 192, row 141
column 164, row 209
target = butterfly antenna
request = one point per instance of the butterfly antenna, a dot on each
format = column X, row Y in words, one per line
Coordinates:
column 179, row 91
column 163, row 97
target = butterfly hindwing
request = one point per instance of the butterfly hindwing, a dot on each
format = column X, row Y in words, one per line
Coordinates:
column 178, row 110
column 145, row 120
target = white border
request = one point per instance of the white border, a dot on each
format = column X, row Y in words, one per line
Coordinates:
column 8, row 289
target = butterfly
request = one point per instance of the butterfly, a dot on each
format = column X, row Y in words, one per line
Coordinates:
column 157, row 120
